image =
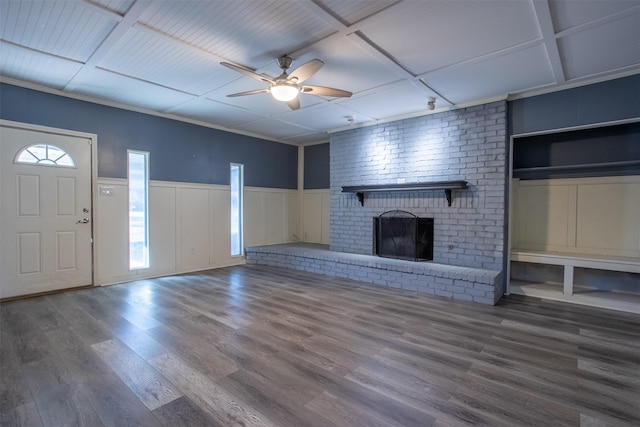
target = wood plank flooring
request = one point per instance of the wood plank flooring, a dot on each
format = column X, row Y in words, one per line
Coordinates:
column 262, row 346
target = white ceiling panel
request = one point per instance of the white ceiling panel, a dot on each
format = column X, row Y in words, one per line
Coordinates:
column 250, row 36
column 348, row 66
column 262, row 103
column 429, row 35
column 350, row 12
column 613, row 45
column 570, row 13
column 324, row 117
column 393, row 100
column 215, row 113
column 114, row 87
column 494, row 77
column 165, row 56
column 27, row 65
column 165, row 61
column 70, row 29
column 274, row 128
column 310, row 138
column 118, row 6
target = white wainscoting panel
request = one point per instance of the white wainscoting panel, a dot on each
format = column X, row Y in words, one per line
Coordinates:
column 315, row 216
column 189, row 227
column 590, row 216
column 162, row 228
column 267, row 216
column 194, row 226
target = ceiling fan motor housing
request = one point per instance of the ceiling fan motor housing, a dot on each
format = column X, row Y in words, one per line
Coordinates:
column 284, row 62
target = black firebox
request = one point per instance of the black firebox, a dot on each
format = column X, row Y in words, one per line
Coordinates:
column 403, row 235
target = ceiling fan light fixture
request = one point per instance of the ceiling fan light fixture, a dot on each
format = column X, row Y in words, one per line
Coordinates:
column 285, row 91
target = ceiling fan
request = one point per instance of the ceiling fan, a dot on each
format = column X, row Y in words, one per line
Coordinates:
column 286, row 87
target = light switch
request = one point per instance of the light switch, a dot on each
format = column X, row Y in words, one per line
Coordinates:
column 107, row 191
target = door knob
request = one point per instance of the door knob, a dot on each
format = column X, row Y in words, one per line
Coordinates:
column 83, row 221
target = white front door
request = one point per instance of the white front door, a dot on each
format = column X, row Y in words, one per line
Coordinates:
column 45, row 211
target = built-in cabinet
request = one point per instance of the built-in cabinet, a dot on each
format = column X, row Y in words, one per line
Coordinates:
column 575, row 221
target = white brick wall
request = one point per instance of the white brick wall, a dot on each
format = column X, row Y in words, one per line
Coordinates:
column 466, row 144
column 463, row 283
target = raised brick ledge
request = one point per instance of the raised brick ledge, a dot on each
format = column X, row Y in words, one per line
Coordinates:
column 471, row 284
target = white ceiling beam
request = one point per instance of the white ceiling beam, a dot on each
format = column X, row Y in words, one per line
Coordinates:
column 96, row 8
column 129, row 19
column 543, row 14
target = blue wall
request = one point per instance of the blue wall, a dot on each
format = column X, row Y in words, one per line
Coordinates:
column 316, row 167
column 179, row 151
column 597, row 103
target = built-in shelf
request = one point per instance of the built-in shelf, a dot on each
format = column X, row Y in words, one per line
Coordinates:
column 447, row 186
column 581, row 166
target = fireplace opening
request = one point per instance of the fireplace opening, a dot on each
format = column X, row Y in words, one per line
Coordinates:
column 403, row 235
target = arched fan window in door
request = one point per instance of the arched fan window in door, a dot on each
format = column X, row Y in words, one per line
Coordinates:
column 45, row 154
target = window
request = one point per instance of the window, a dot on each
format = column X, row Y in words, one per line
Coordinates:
column 138, row 173
column 45, row 154
column 237, row 184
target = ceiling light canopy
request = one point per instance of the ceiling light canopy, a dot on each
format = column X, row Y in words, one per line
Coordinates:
column 285, row 90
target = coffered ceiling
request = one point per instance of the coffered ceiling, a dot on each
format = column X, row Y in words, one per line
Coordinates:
column 164, row 56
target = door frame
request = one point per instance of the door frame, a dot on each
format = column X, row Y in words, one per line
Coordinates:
column 94, row 174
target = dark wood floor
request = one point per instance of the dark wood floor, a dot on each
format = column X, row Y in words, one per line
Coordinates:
column 261, row 346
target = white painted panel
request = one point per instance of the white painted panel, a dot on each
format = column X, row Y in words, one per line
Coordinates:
column 66, row 196
column 546, row 213
column 449, row 30
column 596, row 216
column 325, row 217
column 29, row 247
column 221, row 224
column 183, row 217
column 378, row 104
column 609, row 217
column 67, row 29
column 570, row 13
column 237, row 31
column 115, row 87
column 28, row 191
column 354, row 11
column 190, row 70
column 28, row 65
column 66, row 249
column 275, row 218
column 254, row 232
column 312, row 217
column 293, row 234
column 616, row 43
column 112, row 234
column 194, row 227
column 493, row 75
column 162, row 229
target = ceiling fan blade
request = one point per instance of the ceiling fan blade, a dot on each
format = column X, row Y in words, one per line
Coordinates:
column 249, row 92
column 247, row 72
column 326, row 91
column 306, row 70
column 294, row 104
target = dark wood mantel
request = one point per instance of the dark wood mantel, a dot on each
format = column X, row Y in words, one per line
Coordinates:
column 447, row 186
